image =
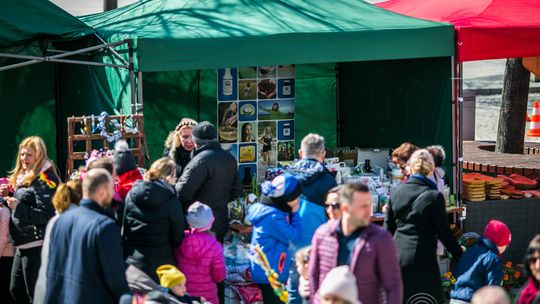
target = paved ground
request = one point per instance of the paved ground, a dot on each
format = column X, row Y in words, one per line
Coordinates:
column 477, row 157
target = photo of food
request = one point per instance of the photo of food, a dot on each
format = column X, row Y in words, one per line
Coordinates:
column 267, row 71
column 248, row 111
column 247, row 73
column 248, row 132
column 286, row 71
column 247, row 153
column 247, row 89
column 286, row 151
column 266, row 89
column 228, row 122
column 276, row 109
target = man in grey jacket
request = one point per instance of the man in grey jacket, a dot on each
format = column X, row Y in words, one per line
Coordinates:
column 211, row 177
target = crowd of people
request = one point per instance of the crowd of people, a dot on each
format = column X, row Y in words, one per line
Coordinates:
column 119, row 236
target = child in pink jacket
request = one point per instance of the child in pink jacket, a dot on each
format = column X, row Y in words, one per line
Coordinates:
column 200, row 256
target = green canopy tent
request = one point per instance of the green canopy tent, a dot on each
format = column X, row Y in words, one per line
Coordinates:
column 37, row 39
column 365, row 77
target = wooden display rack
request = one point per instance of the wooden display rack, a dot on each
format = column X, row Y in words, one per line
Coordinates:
column 140, row 150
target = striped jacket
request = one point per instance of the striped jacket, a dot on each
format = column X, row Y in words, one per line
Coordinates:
column 374, row 262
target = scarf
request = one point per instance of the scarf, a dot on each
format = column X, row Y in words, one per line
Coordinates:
column 426, row 180
column 529, row 293
column 22, row 177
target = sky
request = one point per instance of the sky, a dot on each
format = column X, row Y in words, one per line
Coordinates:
column 86, row 7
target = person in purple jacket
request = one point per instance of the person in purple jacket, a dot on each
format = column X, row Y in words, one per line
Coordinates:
column 365, row 247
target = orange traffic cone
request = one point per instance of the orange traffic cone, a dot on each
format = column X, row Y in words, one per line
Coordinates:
column 534, row 127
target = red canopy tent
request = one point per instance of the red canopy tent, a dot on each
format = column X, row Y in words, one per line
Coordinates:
column 485, row 29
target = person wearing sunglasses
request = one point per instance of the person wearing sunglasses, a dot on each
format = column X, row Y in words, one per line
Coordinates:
column 530, row 293
column 332, row 204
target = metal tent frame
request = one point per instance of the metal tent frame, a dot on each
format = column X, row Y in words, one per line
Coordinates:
column 135, row 82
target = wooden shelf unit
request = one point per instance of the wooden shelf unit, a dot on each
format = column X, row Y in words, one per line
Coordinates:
column 140, row 150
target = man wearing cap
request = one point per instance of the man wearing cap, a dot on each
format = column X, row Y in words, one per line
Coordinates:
column 211, row 177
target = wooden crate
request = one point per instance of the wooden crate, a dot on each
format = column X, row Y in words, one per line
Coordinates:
column 139, row 150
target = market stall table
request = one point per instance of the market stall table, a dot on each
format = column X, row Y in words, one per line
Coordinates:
column 245, row 229
column 450, row 210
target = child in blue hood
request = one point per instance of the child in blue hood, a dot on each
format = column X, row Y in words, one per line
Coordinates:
column 275, row 224
column 481, row 264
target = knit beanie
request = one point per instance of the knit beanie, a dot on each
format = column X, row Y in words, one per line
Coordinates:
column 281, row 190
column 340, row 282
column 498, row 233
column 170, row 276
column 204, row 132
column 123, row 158
column 200, row 216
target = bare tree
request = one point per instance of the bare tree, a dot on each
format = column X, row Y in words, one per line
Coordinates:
column 109, row 5
column 511, row 131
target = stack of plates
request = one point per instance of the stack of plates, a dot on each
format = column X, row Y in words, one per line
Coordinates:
column 474, row 189
column 493, row 188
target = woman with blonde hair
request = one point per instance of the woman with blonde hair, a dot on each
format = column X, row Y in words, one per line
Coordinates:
column 417, row 217
column 154, row 222
column 33, row 182
column 179, row 144
column 66, row 197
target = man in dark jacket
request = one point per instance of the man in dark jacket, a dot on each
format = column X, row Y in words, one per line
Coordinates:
column 211, row 177
column 316, row 181
column 367, row 248
column 85, row 256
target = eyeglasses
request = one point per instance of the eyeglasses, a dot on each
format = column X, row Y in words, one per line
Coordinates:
column 334, row 205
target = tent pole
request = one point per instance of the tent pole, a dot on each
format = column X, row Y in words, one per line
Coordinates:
column 132, row 78
column 115, row 54
column 455, row 158
column 338, row 118
column 56, row 58
column 140, row 104
column 460, row 127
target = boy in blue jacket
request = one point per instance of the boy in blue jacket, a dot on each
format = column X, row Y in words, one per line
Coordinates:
column 275, row 225
column 481, row 264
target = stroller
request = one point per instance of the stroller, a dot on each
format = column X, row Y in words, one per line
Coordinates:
column 147, row 291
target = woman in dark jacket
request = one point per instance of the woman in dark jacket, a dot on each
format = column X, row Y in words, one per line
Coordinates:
column 179, row 144
column 154, row 223
column 417, row 217
column 33, row 182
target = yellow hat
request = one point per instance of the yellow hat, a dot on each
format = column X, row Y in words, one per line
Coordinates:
column 170, row 276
